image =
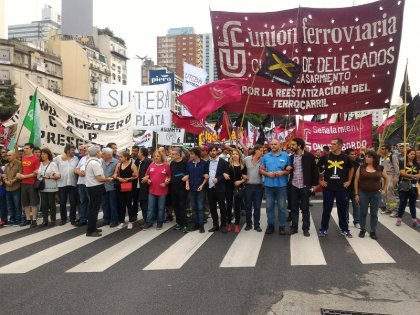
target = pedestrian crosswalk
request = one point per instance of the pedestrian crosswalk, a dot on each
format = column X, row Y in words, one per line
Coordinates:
column 243, row 250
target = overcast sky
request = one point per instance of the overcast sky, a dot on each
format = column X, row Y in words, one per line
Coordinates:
column 139, row 22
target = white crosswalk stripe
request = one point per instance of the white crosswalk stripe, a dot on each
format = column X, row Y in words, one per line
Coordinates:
column 116, row 253
column 306, row 251
column 179, row 253
column 245, row 249
column 367, row 250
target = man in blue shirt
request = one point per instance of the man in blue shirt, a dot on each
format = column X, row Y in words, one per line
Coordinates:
column 275, row 167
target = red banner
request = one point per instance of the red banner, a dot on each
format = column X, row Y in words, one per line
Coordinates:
column 348, row 56
column 355, row 133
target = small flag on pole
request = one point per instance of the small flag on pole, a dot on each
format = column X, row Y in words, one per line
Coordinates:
column 31, row 121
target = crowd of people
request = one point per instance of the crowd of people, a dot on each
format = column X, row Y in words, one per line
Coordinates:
column 225, row 180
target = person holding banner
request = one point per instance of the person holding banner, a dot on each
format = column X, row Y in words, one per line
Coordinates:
column 368, row 188
column 124, row 175
column 335, row 181
column 409, row 175
column 158, row 177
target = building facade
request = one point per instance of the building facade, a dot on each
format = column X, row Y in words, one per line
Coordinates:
column 178, row 46
column 19, row 62
column 116, row 54
column 84, row 66
column 209, row 61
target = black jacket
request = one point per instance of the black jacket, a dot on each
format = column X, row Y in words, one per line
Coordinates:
column 309, row 169
column 144, row 188
column 222, row 167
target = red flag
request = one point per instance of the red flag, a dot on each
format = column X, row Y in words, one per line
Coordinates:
column 226, row 127
column 210, row 97
column 189, row 123
column 385, row 124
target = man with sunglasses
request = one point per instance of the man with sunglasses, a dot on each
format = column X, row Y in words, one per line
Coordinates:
column 338, row 172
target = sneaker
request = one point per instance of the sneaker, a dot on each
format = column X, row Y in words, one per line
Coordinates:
column 258, row 229
column 346, row 234
column 362, row 233
column 357, row 226
column 185, row 230
column 373, row 235
column 130, row 226
column 159, row 226
column 177, row 227
column 416, row 223
column 293, row 231
column 145, row 227
column 202, row 230
column 120, row 226
column 306, row 233
column 398, row 223
column 248, row 227
column 112, row 225
column 236, row 228
column 229, row 228
column 322, row 233
column 393, row 214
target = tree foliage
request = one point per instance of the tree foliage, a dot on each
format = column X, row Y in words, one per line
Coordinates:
column 8, row 102
column 413, row 129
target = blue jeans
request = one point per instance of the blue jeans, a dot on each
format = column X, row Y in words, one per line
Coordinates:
column 356, row 207
column 369, row 198
column 410, row 197
column 197, row 206
column 70, row 192
column 13, row 205
column 341, row 198
column 110, row 207
column 160, row 202
column 273, row 195
column 253, row 198
column 299, row 198
column 83, row 202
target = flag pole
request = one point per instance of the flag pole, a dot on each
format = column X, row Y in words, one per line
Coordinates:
column 248, row 97
column 411, row 129
column 360, row 131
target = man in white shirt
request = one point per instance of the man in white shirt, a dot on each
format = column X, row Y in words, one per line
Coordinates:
column 81, row 186
column 95, row 185
column 66, row 163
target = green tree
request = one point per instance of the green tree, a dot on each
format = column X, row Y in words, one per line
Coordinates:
column 8, row 102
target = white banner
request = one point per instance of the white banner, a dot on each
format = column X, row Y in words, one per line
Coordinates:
column 145, row 140
column 171, row 136
column 152, row 103
column 66, row 121
column 252, row 133
column 193, row 77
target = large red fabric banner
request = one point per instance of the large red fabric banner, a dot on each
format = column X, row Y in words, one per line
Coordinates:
column 355, row 133
column 348, row 56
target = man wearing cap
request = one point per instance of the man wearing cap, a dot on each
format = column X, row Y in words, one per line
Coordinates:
column 95, row 185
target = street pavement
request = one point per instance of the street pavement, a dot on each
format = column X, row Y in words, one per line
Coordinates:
column 60, row 271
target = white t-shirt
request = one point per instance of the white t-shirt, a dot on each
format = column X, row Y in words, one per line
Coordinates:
column 81, row 180
column 93, row 169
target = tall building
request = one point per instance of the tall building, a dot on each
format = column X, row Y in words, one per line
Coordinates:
column 84, row 66
column 178, row 46
column 209, row 61
column 115, row 50
column 77, row 17
column 37, row 32
column 19, row 62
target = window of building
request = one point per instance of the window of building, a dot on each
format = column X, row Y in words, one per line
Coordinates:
column 4, row 75
column 4, row 55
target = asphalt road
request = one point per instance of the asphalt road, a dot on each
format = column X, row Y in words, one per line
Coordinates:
column 56, row 271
